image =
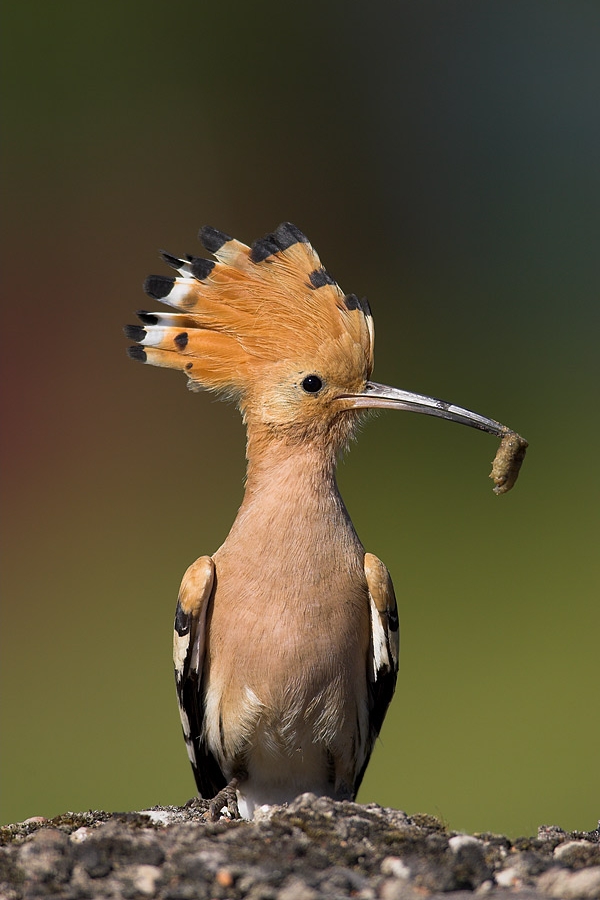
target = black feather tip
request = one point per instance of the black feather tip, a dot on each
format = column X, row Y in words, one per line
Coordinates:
column 320, row 277
column 158, row 286
column 287, row 234
column 212, row 239
column 263, row 248
column 200, row 267
column 137, row 352
column 146, row 317
column 284, row 236
column 351, row 301
column 135, row 332
column 171, row 260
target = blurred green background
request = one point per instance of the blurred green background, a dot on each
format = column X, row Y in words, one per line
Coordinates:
column 443, row 157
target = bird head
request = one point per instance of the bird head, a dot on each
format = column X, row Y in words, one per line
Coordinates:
column 268, row 326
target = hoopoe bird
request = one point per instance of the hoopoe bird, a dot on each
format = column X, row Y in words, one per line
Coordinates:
column 286, row 639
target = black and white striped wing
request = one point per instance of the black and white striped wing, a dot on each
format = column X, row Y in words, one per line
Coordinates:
column 189, row 641
column 382, row 664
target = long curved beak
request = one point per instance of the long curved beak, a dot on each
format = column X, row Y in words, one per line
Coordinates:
column 511, row 452
column 381, row 396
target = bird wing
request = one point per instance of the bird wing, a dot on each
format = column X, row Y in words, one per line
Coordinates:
column 383, row 652
column 189, row 641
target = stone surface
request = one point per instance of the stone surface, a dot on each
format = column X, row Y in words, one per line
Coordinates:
column 314, row 848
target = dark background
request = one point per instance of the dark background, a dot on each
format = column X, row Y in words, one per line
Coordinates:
column 443, row 157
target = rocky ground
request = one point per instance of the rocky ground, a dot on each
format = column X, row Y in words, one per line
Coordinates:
column 314, row 848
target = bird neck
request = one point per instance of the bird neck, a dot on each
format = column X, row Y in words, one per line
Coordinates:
column 291, row 501
column 299, row 468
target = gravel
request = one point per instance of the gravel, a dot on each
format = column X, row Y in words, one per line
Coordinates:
column 314, row 848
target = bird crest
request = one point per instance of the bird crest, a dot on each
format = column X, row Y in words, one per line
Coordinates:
column 250, row 310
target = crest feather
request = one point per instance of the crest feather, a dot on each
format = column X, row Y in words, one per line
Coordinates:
column 254, row 306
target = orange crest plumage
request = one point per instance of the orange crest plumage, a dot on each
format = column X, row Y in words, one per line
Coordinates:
column 251, row 308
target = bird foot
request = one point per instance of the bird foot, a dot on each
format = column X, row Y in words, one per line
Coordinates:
column 197, row 804
column 227, row 798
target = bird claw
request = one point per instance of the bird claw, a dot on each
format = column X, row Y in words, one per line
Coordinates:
column 226, row 798
column 197, row 804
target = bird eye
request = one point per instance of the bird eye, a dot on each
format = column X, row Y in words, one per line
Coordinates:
column 312, row 384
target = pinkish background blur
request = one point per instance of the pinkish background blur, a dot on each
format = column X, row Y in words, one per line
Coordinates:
column 444, row 160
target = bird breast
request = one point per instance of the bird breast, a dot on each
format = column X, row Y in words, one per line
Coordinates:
column 288, row 631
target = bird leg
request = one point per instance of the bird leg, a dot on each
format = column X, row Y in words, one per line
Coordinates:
column 226, row 797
